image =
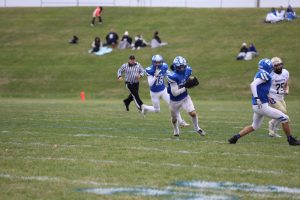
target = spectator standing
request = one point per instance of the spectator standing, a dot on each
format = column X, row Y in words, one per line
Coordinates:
column 97, row 13
column 133, row 72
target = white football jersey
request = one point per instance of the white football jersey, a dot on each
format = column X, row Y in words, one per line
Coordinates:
column 278, row 82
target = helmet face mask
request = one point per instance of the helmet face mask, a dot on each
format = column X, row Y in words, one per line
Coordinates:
column 157, row 61
column 277, row 64
column 179, row 64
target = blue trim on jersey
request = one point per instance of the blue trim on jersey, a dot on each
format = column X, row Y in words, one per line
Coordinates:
column 180, row 79
column 264, row 88
column 159, row 84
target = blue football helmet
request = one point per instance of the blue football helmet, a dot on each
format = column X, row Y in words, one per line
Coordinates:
column 157, row 61
column 179, row 64
column 266, row 65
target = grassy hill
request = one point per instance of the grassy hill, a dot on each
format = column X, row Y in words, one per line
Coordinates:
column 36, row 60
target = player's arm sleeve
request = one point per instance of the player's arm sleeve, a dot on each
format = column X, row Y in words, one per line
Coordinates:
column 151, row 79
column 175, row 89
column 120, row 71
column 254, row 85
column 142, row 71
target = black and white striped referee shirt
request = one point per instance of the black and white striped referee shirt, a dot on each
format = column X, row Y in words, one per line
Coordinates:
column 131, row 72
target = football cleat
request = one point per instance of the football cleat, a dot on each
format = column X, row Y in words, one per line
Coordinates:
column 233, row 139
column 293, row 141
column 126, row 105
column 143, row 110
column 272, row 134
column 201, row 132
column 183, row 124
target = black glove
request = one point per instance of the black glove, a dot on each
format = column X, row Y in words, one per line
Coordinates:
column 191, row 82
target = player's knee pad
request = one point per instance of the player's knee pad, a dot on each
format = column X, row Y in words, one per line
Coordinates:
column 255, row 126
column 284, row 119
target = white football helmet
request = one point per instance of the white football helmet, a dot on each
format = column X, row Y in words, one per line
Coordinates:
column 277, row 64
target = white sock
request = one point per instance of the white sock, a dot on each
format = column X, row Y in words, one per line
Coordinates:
column 195, row 123
column 149, row 108
column 175, row 127
column 179, row 118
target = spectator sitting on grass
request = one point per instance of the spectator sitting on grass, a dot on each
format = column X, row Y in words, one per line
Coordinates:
column 242, row 52
column 272, row 17
column 96, row 45
column 156, row 41
column 139, row 42
column 126, row 41
column 251, row 53
column 112, row 39
column 290, row 13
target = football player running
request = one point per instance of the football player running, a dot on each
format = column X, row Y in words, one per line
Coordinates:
column 279, row 89
column 179, row 97
column 156, row 74
column 260, row 88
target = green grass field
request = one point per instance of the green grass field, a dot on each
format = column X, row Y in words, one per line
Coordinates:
column 58, row 149
column 53, row 146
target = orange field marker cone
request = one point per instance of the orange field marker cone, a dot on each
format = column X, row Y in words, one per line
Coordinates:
column 82, row 96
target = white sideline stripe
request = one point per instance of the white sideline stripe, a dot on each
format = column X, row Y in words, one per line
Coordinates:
column 174, row 165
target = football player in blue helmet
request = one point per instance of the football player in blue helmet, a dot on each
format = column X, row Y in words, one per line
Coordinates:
column 156, row 74
column 179, row 97
column 179, row 64
column 266, row 65
column 260, row 88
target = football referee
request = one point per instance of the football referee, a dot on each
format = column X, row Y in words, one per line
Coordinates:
column 133, row 72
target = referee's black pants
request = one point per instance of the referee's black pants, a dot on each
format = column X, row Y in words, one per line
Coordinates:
column 134, row 95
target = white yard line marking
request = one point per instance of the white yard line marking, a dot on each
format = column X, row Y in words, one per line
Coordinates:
column 141, row 148
column 161, row 164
